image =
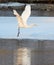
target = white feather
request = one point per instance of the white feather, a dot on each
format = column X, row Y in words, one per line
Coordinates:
column 26, row 13
column 15, row 12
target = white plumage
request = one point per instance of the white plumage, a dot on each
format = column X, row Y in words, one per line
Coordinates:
column 26, row 13
column 22, row 20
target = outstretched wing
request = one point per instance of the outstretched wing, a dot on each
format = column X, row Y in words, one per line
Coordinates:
column 26, row 13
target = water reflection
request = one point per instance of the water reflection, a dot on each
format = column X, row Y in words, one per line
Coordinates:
column 23, row 56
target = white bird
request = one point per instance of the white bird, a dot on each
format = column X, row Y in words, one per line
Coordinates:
column 22, row 20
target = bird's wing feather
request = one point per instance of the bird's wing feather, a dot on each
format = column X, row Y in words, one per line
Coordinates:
column 15, row 12
column 26, row 13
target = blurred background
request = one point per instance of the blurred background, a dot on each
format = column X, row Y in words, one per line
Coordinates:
column 39, row 7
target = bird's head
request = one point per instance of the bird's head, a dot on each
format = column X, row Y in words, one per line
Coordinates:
column 32, row 25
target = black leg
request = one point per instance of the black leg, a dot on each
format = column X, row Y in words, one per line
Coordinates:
column 18, row 32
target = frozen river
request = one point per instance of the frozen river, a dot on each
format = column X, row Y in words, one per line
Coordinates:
column 43, row 30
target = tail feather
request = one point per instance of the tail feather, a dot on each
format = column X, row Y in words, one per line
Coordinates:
column 15, row 12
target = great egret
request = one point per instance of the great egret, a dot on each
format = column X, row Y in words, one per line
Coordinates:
column 22, row 20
